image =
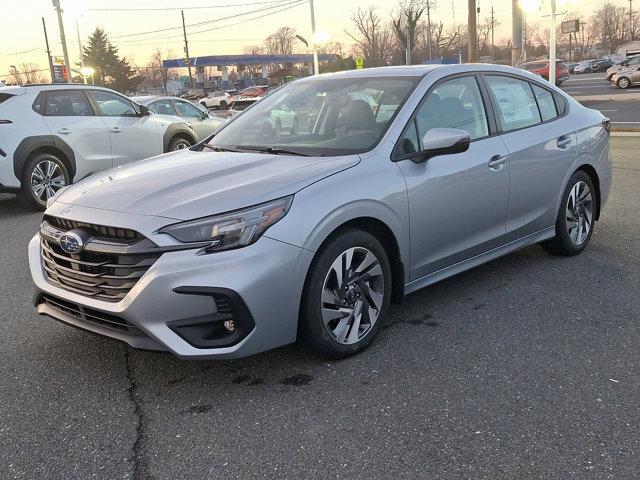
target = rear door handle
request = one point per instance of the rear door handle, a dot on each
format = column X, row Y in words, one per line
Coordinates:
column 115, row 130
column 497, row 162
column 564, row 141
column 64, row 131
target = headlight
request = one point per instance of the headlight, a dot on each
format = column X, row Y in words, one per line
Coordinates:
column 230, row 230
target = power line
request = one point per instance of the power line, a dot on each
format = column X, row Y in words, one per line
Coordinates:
column 181, row 8
column 281, row 3
column 19, row 53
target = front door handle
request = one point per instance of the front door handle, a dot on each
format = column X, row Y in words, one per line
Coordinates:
column 115, row 130
column 64, row 131
column 497, row 162
column 564, row 141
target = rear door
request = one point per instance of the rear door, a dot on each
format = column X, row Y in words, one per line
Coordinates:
column 194, row 117
column 133, row 137
column 70, row 116
column 541, row 144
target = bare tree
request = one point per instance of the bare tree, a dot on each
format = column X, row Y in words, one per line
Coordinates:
column 374, row 40
column 406, row 21
column 280, row 42
column 27, row 73
column 611, row 25
column 154, row 71
column 484, row 33
column 253, row 50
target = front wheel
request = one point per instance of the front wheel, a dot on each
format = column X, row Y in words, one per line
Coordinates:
column 346, row 295
column 222, row 105
column 623, row 83
column 44, row 175
column 179, row 143
column 574, row 224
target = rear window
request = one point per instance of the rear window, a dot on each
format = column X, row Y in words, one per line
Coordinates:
column 5, row 96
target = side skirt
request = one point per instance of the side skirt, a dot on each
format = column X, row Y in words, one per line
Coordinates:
column 485, row 257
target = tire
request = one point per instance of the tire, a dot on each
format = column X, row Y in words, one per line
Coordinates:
column 179, row 143
column 223, row 104
column 330, row 309
column 623, row 83
column 572, row 236
column 44, row 175
column 204, row 105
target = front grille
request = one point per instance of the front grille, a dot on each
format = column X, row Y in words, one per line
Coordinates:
column 89, row 315
column 99, row 230
column 107, row 268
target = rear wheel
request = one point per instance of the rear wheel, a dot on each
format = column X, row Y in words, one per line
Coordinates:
column 223, row 104
column 44, row 175
column 624, row 82
column 576, row 218
column 346, row 295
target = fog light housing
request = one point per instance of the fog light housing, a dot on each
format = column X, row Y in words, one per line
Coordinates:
column 230, row 325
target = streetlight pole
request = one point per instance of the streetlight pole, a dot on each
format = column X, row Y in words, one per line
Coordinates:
column 65, row 53
column 316, row 67
column 80, row 50
column 552, row 44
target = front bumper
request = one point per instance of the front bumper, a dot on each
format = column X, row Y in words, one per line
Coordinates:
column 267, row 278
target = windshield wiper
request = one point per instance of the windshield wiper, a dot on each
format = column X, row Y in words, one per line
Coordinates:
column 216, row 148
column 273, row 150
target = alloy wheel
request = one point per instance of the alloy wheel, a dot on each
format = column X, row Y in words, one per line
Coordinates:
column 181, row 145
column 46, row 179
column 352, row 295
column 579, row 213
column 623, row 82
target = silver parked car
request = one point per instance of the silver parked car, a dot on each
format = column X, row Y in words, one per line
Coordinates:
column 259, row 237
column 197, row 118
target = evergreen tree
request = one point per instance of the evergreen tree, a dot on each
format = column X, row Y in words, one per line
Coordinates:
column 111, row 70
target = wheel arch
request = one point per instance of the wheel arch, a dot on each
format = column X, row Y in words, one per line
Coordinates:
column 51, row 144
column 177, row 130
column 595, row 179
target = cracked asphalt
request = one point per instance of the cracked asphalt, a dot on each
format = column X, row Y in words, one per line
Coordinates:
column 527, row 367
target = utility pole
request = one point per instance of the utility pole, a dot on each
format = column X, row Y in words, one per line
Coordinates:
column 80, row 51
column 569, row 47
column 186, row 47
column 46, row 42
column 65, row 53
column 472, row 29
column 408, row 58
column 429, row 27
column 552, row 44
column 316, row 66
column 631, row 12
column 492, row 32
column 516, row 32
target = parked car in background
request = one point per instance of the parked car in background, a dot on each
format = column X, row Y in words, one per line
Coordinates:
column 541, row 67
column 252, row 240
column 198, row 119
column 600, row 65
column 220, row 99
column 240, row 104
column 629, row 77
column 626, row 63
column 571, row 67
column 583, row 67
column 255, row 91
column 52, row 135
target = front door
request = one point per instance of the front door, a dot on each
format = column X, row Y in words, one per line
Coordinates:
column 70, row 117
column 196, row 118
column 133, row 137
column 457, row 203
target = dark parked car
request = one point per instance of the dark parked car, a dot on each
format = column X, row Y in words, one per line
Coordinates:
column 601, row 65
column 571, row 67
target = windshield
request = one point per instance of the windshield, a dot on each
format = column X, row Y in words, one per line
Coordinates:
column 323, row 116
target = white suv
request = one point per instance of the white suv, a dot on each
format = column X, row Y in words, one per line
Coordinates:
column 221, row 99
column 54, row 135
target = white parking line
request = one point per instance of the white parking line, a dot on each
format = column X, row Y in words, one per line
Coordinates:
column 609, row 110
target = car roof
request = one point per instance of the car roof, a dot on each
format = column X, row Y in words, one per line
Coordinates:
column 152, row 98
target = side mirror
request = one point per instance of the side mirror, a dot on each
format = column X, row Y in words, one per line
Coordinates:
column 443, row 141
column 143, row 111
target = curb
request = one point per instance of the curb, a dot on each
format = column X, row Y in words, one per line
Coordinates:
column 607, row 98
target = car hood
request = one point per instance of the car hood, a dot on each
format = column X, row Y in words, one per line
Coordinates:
column 190, row 184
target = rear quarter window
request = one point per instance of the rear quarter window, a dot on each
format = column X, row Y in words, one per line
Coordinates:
column 5, row 96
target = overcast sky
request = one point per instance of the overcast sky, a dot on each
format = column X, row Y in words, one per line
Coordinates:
column 21, row 28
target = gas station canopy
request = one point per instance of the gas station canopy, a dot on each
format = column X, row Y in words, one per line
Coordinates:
column 214, row 60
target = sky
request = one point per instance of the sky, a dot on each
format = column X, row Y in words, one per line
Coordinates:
column 22, row 39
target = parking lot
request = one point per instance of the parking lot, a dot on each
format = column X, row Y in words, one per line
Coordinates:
column 527, row 367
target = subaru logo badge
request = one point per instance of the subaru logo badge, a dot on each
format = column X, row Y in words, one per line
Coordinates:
column 71, row 242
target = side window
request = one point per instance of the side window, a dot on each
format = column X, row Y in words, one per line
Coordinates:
column 163, row 107
column 409, row 141
column 112, row 105
column 455, row 103
column 562, row 104
column 39, row 103
column 188, row 110
column 545, row 102
column 634, row 61
column 516, row 107
column 67, row 103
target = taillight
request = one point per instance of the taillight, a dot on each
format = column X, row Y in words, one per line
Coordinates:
column 606, row 124
column 4, row 122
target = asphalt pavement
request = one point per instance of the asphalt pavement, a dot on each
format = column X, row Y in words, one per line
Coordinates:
column 524, row 368
column 622, row 107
